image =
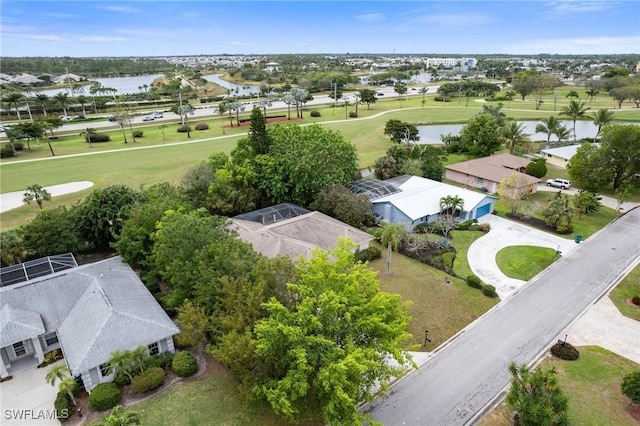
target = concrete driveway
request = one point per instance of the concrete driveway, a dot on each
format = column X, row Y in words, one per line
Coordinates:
column 505, row 233
column 27, row 399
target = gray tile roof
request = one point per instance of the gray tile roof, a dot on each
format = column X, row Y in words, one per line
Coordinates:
column 17, row 324
column 297, row 236
column 96, row 308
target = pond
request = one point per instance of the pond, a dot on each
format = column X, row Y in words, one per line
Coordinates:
column 235, row 89
column 431, row 134
column 124, row 85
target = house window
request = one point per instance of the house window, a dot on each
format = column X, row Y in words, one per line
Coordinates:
column 51, row 338
column 153, row 349
column 104, row 369
column 19, row 349
column 479, row 180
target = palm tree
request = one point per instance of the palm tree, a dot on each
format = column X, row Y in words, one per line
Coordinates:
column 42, row 100
column 68, row 386
column 184, row 111
column 450, row 204
column 120, row 417
column 121, row 362
column 423, row 91
column 162, row 128
column 549, row 126
column 38, row 193
column 562, row 133
column 288, row 99
column 13, row 99
column 513, row 135
column 392, row 235
column 140, row 356
column 592, row 93
column 83, row 100
column 89, row 133
column 575, row 110
column 222, row 108
column 601, row 118
column 63, row 99
column 57, row 372
column 572, row 94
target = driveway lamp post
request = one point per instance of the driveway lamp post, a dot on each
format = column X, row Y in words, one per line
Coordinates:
column 426, row 337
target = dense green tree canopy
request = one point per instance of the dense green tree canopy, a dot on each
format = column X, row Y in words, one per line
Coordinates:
column 480, row 135
column 324, row 355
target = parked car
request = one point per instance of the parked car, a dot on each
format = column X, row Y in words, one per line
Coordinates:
column 148, row 118
column 559, row 183
column 379, row 94
column 79, row 117
column 157, row 114
column 64, row 118
column 112, row 118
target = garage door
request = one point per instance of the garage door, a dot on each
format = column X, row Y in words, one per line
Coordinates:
column 483, row 210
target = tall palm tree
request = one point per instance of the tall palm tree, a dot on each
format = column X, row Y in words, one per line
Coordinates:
column 513, row 135
column 392, row 235
column 57, row 372
column 83, row 100
column 288, row 99
column 120, row 362
column 13, row 100
column 222, row 108
column 68, row 386
column 592, row 93
column 451, row 203
column 601, row 118
column 549, row 126
column 43, row 101
column 62, row 99
column 423, row 91
column 38, row 193
column 562, row 133
column 575, row 110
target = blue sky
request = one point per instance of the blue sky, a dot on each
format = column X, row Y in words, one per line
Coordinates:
column 162, row 28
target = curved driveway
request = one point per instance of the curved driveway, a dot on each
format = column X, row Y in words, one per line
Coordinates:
column 467, row 373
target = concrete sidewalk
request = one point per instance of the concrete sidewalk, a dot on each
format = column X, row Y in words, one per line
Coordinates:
column 504, row 233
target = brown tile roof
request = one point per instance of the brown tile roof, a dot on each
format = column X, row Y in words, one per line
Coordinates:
column 494, row 168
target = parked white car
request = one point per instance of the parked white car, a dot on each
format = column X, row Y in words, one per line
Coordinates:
column 559, row 183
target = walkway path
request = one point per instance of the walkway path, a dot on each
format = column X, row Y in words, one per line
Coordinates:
column 12, row 200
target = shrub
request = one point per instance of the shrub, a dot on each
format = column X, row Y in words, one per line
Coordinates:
column 315, row 113
column 564, row 229
column 473, row 281
column 484, row 227
column 19, row 146
column 441, row 99
column 464, row 226
column 537, row 168
column 565, row 351
column 368, row 254
column 138, row 133
column 184, row 129
column 166, row 359
column 448, row 258
column 6, row 152
column 631, row 386
column 104, row 396
column 489, row 290
column 635, row 300
column 121, row 379
column 62, row 405
column 202, row 126
column 353, row 114
column 421, row 228
column 184, row 364
column 97, row 137
column 148, row 380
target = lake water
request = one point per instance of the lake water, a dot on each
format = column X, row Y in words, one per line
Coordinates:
column 431, row 134
column 124, row 85
column 238, row 89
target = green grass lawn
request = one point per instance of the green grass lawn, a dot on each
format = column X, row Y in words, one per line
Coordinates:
column 214, row 399
column 628, row 288
column 525, row 262
column 440, row 307
column 592, row 384
column 585, row 225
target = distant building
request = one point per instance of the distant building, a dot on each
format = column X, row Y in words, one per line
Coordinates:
column 271, row 66
column 559, row 156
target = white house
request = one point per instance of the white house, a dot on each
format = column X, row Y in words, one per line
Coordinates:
column 560, row 156
column 87, row 311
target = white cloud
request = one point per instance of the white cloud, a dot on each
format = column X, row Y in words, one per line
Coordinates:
column 571, row 6
column 370, row 17
column 236, row 43
column 454, row 19
column 62, row 15
column 121, row 9
column 576, row 46
column 48, row 37
column 101, row 39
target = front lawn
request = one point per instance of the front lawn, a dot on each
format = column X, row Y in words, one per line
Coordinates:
column 628, row 287
column 442, row 307
column 592, row 384
column 525, row 262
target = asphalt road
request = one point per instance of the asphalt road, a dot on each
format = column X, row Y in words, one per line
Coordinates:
column 464, row 376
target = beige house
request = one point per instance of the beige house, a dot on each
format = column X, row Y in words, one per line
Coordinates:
column 559, row 157
column 486, row 173
column 297, row 236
